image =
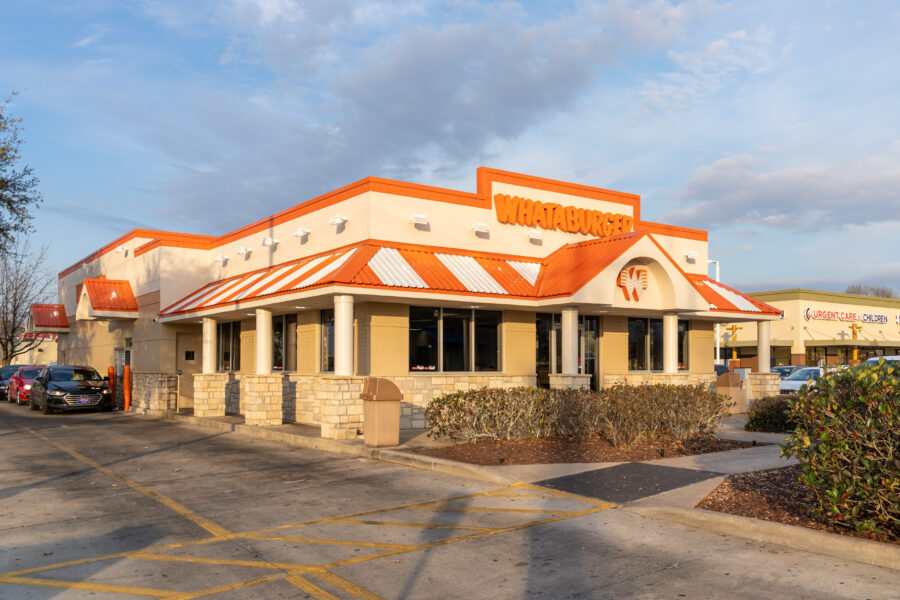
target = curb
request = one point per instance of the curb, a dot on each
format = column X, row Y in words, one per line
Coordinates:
column 798, row 538
column 388, row 455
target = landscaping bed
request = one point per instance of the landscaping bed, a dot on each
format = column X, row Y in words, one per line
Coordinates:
column 530, row 451
column 775, row 495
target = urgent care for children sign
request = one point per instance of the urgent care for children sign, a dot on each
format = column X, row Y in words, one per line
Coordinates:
column 515, row 210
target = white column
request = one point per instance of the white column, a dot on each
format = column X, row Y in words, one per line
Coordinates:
column 263, row 341
column 343, row 336
column 763, row 347
column 208, row 347
column 670, row 343
column 570, row 341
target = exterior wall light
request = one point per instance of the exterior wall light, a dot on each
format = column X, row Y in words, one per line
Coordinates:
column 220, row 258
column 480, row 227
column 535, row 234
column 301, row 232
column 419, row 219
column 122, row 250
column 243, row 250
column 337, row 219
column 691, row 257
column 269, row 241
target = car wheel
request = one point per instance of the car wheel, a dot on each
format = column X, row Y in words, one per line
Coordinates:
column 32, row 405
column 46, row 407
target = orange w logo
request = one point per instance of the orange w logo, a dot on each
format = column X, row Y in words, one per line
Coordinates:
column 632, row 280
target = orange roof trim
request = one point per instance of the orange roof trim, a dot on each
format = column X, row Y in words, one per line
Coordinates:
column 110, row 294
column 49, row 316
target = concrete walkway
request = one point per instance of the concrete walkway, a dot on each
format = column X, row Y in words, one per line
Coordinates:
column 666, row 489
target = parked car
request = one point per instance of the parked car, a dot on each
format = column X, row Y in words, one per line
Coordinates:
column 793, row 382
column 893, row 360
column 61, row 387
column 5, row 374
column 785, row 370
column 19, row 387
column 721, row 370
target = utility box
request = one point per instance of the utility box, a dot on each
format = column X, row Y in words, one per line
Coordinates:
column 729, row 384
column 381, row 412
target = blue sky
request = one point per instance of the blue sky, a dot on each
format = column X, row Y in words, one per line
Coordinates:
column 773, row 125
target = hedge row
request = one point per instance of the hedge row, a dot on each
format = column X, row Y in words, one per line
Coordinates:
column 771, row 414
column 622, row 414
column 847, row 439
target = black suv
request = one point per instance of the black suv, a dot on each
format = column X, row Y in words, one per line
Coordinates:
column 69, row 388
column 5, row 374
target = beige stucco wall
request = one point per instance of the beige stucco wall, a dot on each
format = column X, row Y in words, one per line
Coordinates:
column 248, row 346
column 308, row 342
column 518, row 343
column 701, row 347
column 385, row 327
column 613, row 345
column 42, row 354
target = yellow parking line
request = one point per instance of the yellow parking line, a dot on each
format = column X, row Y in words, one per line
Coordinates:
column 91, row 587
column 416, row 525
column 310, row 588
column 184, row 511
column 346, row 585
column 201, row 560
column 305, row 540
column 226, row 588
column 495, row 510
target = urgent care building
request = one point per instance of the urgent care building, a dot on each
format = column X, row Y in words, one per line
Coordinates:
column 820, row 329
column 528, row 281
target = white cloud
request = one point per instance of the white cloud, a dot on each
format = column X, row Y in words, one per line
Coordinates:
column 738, row 190
column 87, row 41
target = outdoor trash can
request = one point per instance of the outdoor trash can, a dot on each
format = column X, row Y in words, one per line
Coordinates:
column 381, row 412
column 729, row 384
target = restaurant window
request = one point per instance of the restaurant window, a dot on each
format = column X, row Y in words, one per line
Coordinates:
column 645, row 344
column 228, row 344
column 453, row 339
column 284, row 342
column 327, row 342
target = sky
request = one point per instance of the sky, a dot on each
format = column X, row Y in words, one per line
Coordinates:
column 773, row 125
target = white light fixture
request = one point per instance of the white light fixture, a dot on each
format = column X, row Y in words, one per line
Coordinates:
column 480, row 227
column 338, row 219
column 419, row 219
column 122, row 250
column 244, row 250
column 691, row 257
column 220, row 258
column 535, row 234
column 301, row 307
column 301, row 232
column 269, row 241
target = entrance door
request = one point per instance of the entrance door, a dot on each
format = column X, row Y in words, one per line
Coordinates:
column 590, row 349
column 187, row 361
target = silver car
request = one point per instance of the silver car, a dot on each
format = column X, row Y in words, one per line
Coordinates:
column 793, row 382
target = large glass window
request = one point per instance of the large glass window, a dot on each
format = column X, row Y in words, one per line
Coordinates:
column 327, row 342
column 228, row 344
column 453, row 339
column 645, row 344
column 284, row 342
column 543, row 327
column 423, row 338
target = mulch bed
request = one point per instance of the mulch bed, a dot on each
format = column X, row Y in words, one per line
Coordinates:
column 774, row 495
column 564, row 450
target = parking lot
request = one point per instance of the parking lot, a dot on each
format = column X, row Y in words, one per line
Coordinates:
column 112, row 505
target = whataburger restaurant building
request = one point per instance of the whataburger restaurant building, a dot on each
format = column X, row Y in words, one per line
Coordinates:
column 527, row 281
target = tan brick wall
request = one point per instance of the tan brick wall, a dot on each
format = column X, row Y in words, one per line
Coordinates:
column 519, row 343
column 702, row 347
column 248, row 346
column 210, row 394
column 308, row 342
column 263, row 399
column 614, row 345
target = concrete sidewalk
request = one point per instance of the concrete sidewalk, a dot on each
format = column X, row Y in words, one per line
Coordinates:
column 666, row 489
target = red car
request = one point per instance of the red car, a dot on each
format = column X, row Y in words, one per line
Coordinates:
column 19, row 386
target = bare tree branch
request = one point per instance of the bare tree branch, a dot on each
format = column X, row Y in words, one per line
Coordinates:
column 24, row 280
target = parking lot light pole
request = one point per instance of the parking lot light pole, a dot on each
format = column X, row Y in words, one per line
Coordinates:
column 718, row 358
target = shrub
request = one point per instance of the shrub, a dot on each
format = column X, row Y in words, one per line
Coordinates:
column 848, row 442
column 622, row 415
column 771, row 414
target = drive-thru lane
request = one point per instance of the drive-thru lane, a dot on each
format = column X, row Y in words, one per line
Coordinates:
column 115, row 505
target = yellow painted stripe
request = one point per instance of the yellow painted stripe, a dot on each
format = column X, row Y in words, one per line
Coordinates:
column 226, row 588
column 346, row 585
column 304, row 540
column 202, row 560
column 416, row 525
column 88, row 586
column 525, row 511
column 569, row 495
column 184, row 511
column 310, row 588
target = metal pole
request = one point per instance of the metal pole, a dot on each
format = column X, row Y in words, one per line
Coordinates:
column 718, row 356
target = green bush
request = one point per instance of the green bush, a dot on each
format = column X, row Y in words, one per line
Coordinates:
column 848, row 442
column 771, row 414
column 622, row 414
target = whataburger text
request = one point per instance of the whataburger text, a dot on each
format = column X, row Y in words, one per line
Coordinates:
column 524, row 211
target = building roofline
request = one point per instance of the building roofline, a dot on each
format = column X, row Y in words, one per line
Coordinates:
column 823, row 296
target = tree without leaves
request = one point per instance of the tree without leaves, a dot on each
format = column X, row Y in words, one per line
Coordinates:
column 879, row 291
column 24, row 280
column 18, row 187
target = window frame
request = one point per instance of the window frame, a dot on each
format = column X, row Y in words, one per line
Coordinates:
column 652, row 325
column 471, row 343
column 233, row 333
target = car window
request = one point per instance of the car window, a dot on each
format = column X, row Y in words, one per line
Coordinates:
column 7, row 372
column 804, row 374
column 29, row 373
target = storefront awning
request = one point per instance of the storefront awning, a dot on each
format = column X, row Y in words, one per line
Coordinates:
column 102, row 298
column 392, row 266
column 48, row 318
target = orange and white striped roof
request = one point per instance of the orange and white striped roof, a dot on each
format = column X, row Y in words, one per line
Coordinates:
column 386, row 265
